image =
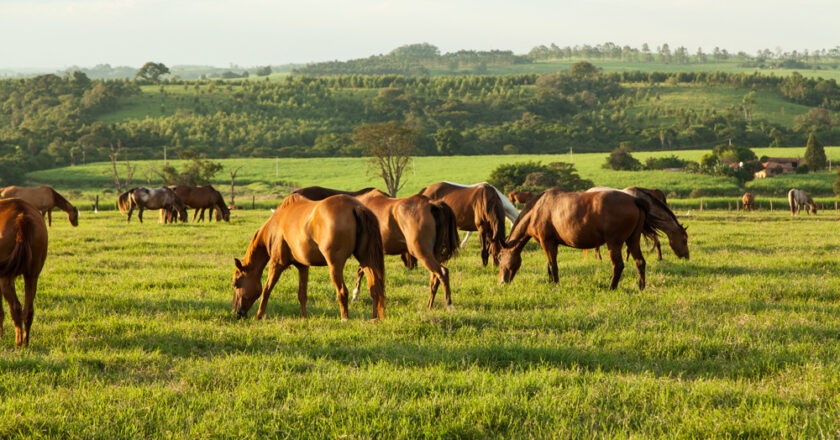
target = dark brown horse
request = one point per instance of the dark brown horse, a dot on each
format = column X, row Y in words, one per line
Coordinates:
column 420, row 227
column 201, row 198
column 23, row 250
column 477, row 207
column 748, row 201
column 521, row 197
column 150, row 198
column 44, row 199
column 583, row 221
column 304, row 233
column 321, row 193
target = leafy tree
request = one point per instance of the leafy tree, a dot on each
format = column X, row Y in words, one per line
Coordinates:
column 263, row 71
column 152, row 71
column 621, row 159
column 663, row 163
column 198, row 171
column 815, row 154
column 448, row 140
column 535, row 176
column 389, row 146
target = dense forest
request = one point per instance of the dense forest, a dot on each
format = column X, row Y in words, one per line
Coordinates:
column 59, row 120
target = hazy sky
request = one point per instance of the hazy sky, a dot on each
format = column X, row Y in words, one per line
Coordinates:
column 63, row 33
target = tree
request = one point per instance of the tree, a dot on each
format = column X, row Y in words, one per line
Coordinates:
column 389, row 146
column 152, row 71
column 448, row 140
column 621, row 159
column 815, row 154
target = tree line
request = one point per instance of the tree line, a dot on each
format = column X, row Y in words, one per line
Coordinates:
column 53, row 120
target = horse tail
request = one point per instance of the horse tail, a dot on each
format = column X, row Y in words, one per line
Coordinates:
column 446, row 232
column 650, row 225
column 21, row 255
column 124, row 201
column 371, row 255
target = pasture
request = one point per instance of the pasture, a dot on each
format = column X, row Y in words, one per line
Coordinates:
column 134, row 337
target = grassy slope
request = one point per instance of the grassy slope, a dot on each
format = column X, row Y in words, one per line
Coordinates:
column 133, row 337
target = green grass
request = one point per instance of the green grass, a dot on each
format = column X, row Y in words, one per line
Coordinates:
column 133, row 337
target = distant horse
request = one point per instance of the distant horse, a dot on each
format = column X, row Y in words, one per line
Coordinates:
column 23, row 250
column 150, row 198
column 480, row 207
column 583, row 221
column 201, row 198
column 667, row 220
column 417, row 226
column 521, row 197
column 748, row 201
column 44, row 199
column 304, row 233
column 798, row 198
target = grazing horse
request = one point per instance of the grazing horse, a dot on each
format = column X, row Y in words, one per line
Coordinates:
column 478, row 207
column 304, row 233
column 583, row 221
column 748, row 201
column 150, row 198
column 321, row 193
column 798, row 198
column 521, row 197
column 667, row 220
column 44, row 199
column 23, row 250
column 201, row 198
column 417, row 226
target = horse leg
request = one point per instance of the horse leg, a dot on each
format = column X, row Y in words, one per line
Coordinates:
column 485, row 247
column 617, row 264
column 303, row 283
column 634, row 248
column 30, row 286
column 360, row 273
column 337, row 276
column 466, row 237
column 8, row 288
column 49, row 217
column 437, row 275
column 139, row 214
column 274, row 271
column 656, row 245
column 551, row 254
column 195, row 214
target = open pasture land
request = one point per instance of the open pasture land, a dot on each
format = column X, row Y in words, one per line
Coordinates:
column 134, row 338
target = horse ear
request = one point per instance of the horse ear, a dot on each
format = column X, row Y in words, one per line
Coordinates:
column 238, row 264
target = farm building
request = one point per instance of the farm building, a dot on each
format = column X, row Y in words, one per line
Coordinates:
column 773, row 166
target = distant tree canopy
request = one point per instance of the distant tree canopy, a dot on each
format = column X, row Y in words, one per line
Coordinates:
column 390, row 146
column 534, row 176
column 815, row 154
column 620, row 159
column 152, row 71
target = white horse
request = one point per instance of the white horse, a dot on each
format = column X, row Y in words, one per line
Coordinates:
column 510, row 211
column 798, row 198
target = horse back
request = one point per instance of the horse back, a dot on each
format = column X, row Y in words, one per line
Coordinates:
column 589, row 219
column 41, row 197
column 23, row 238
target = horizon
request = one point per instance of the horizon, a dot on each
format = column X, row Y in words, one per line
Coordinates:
column 61, row 34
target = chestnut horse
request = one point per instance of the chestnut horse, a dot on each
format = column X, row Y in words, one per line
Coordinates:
column 201, row 198
column 583, row 221
column 321, row 193
column 417, row 226
column 521, row 197
column 798, row 198
column 23, row 250
column 749, row 201
column 304, row 233
column 477, row 207
column 44, row 199
column 150, row 198
column 667, row 220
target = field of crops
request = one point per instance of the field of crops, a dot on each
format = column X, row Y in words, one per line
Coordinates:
column 134, row 337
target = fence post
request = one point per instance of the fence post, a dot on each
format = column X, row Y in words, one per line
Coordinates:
column 253, row 202
column 96, row 204
column 771, row 204
column 701, row 204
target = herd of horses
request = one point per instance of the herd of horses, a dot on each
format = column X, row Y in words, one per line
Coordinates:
column 318, row 226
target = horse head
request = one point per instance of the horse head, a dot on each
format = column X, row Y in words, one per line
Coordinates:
column 510, row 260
column 246, row 288
column 679, row 242
column 73, row 215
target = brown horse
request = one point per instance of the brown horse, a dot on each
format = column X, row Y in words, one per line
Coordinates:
column 417, row 226
column 150, row 198
column 23, row 250
column 44, row 199
column 321, row 193
column 201, row 198
column 477, row 207
column 521, row 197
column 583, row 221
column 304, row 233
column 748, row 201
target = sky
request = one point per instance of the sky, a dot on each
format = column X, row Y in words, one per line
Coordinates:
column 63, row 33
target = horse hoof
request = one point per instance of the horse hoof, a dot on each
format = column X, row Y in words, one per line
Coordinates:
column 450, row 308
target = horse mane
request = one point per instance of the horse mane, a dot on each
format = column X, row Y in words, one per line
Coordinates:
column 60, row 201
column 492, row 211
column 527, row 208
column 653, row 200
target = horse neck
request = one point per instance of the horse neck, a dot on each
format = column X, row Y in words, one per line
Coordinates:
column 519, row 235
column 257, row 256
column 61, row 203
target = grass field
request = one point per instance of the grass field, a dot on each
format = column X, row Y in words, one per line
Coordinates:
column 134, row 338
